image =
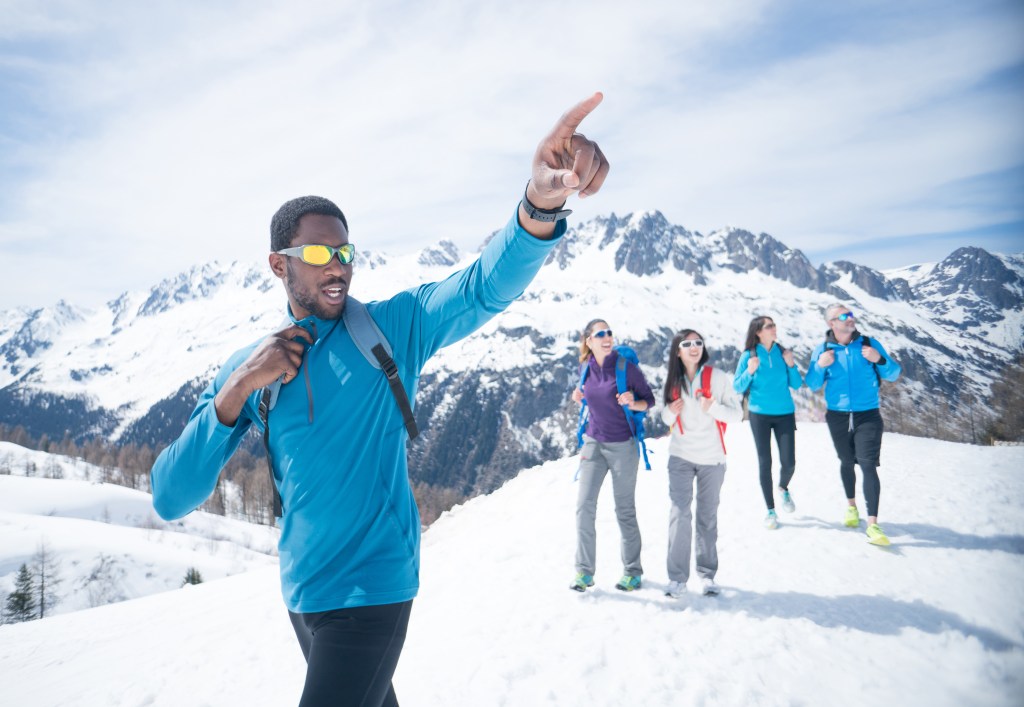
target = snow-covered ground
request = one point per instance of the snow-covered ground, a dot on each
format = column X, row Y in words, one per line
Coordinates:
column 81, row 520
column 810, row 613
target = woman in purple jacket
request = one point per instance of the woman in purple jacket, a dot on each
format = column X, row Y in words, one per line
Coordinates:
column 608, row 446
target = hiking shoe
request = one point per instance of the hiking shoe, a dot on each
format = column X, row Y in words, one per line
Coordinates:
column 787, row 502
column 876, row 536
column 708, row 587
column 675, row 589
column 628, row 583
column 852, row 517
column 582, row 581
column 771, row 521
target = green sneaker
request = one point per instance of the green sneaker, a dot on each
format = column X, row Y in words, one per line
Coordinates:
column 581, row 582
column 852, row 517
column 876, row 536
column 628, row 583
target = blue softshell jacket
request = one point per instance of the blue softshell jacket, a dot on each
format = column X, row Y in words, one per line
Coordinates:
column 350, row 533
column 770, row 384
column 850, row 382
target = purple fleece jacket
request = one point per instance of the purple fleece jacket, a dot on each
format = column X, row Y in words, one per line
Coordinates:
column 607, row 419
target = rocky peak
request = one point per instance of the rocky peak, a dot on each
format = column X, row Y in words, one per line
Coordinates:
column 867, row 279
column 974, row 271
column 746, row 252
column 443, row 254
column 199, row 282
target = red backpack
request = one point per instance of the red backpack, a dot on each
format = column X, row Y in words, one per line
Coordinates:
column 705, row 390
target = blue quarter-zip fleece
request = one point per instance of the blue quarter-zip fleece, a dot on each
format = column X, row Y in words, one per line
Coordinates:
column 770, row 384
column 350, row 534
column 850, row 382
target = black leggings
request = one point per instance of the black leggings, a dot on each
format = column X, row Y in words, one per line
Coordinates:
column 784, row 427
column 351, row 654
column 857, row 437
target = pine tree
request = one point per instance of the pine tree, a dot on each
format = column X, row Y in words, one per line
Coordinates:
column 192, row 576
column 21, row 603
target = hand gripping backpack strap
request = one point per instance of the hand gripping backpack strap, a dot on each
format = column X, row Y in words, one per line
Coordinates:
column 374, row 346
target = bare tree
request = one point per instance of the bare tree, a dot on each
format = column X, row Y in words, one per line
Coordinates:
column 46, row 574
column 1007, row 403
column 103, row 584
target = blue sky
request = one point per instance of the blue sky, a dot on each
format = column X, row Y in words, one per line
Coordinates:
column 137, row 139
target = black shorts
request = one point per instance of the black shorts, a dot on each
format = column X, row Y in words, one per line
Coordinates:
column 857, row 436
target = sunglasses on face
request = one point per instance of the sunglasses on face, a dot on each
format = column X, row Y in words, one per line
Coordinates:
column 601, row 334
column 321, row 255
column 843, row 317
column 691, row 342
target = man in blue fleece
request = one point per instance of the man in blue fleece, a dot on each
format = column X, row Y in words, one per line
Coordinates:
column 851, row 367
column 350, row 531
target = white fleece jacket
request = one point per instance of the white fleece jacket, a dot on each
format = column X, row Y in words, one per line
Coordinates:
column 698, row 442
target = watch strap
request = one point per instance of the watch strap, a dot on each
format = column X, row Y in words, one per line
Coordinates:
column 545, row 215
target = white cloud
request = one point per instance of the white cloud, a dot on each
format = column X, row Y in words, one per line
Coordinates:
column 176, row 130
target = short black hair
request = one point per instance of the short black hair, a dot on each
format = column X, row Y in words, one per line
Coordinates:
column 285, row 222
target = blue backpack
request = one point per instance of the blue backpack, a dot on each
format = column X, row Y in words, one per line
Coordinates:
column 633, row 418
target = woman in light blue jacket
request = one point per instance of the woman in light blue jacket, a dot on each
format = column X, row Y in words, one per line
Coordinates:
column 765, row 373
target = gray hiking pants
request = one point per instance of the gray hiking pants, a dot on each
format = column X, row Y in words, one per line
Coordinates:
column 596, row 459
column 709, row 477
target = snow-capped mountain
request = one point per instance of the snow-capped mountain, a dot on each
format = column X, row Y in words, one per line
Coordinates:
column 498, row 401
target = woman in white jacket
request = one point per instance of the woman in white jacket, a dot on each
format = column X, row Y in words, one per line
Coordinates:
column 696, row 452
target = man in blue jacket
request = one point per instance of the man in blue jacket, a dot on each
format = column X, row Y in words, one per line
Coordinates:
column 350, row 531
column 851, row 366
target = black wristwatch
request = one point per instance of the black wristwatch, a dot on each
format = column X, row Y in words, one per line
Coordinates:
column 546, row 215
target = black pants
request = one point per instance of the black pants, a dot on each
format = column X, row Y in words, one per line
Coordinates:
column 857, row 437
column 351, row 654
column 784, row 427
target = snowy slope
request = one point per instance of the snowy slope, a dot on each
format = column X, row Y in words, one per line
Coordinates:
column 811, row 614
column 81, row 519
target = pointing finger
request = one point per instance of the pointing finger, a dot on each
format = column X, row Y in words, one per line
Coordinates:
column 572, row 118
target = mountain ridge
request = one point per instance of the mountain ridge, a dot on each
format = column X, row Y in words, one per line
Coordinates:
column 498, row 400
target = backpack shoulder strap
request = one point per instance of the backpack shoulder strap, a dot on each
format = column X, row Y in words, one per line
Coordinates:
column 866, row 341
column 267, row 399
column 705, row 381
column 621, row 387
column 620, row 374
column 376, row 349
column 364, row 331
column 705, row 384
